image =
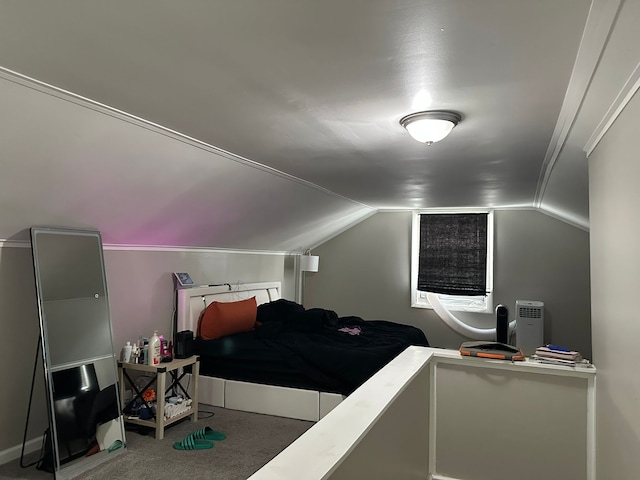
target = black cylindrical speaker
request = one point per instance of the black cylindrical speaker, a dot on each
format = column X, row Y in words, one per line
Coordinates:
column 502, row 324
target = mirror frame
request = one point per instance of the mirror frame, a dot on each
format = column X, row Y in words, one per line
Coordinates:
column 69, row 468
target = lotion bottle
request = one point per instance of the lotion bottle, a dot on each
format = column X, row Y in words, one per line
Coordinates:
column 126, row 353
column 154, row 350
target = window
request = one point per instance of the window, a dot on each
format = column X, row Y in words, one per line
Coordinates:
column 452, row 256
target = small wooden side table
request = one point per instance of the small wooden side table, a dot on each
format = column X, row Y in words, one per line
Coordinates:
column 162, row 388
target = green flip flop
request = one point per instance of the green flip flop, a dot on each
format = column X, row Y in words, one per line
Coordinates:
column 115, row 445
column 207, row 433
column 190, row 443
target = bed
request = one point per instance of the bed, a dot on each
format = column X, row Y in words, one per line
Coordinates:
column 293, row 362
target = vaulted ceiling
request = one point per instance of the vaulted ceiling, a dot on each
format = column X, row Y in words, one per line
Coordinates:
column 275, row 124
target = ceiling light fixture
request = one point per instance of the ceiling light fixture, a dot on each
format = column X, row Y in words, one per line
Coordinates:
column 430, row 126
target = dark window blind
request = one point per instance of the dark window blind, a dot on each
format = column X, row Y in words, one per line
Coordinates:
column 453, row 254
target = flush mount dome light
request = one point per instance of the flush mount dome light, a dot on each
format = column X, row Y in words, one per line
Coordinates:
column 432, row 126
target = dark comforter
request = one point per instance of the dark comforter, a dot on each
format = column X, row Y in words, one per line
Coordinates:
column 311, row 348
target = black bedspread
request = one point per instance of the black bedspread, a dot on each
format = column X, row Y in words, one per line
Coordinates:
column 311, row 348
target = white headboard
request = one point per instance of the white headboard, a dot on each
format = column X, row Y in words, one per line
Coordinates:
column 191, row 301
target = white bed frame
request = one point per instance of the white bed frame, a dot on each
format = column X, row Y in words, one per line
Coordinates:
column 249, row 397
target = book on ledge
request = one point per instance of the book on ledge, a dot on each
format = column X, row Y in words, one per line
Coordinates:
column 493, row 350
column 563, row 363
column 559, row 354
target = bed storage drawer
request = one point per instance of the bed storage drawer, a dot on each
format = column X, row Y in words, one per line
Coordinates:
column 212, row 391
column 272, row 400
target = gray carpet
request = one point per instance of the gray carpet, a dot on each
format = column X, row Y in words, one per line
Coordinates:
column 252, row 440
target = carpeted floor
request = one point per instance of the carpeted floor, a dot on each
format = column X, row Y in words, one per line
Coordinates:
column 252, row 440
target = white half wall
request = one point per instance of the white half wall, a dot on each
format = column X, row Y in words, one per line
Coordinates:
column 432, row 414
column 614, row 196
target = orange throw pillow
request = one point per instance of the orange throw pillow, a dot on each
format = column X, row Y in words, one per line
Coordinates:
column 226, row 318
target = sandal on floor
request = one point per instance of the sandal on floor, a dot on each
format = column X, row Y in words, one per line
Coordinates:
column 190, row 443
column 207, row 433
column 115, row 446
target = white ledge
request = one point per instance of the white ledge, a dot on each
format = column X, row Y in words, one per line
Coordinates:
column 321, row 450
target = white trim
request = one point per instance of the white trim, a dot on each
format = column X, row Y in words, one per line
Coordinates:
column 65, row 95
column 566, row 218
column 13, row 453
column 415, row 254
column 419, row 299
column 490, row 260
column 160, row 248
column 627, row 91
column 433, row 415
column 527, row 206
column 342, row 433
column 453, row 357
column 453, row 210
column 15, row 244
column 569, row 219
column 591, row 427
column 600, row 20
column 167, row 248
column 323, row 448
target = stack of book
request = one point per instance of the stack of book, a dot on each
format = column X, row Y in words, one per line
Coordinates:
column 556, row 355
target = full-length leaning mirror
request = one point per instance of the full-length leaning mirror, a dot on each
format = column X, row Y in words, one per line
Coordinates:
column 85, row 424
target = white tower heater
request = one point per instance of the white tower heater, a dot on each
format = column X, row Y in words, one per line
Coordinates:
column 529, row 325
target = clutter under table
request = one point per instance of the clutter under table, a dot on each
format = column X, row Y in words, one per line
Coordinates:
column 149, row 406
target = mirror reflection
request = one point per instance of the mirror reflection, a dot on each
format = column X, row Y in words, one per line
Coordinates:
column 77, row 343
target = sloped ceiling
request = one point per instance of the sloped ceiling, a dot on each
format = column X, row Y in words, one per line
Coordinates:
column 274, row 125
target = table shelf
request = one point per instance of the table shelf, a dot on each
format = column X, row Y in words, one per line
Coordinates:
column 160, row 377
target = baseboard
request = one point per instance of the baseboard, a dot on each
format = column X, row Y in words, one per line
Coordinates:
column 13, row 453
column 435, row 476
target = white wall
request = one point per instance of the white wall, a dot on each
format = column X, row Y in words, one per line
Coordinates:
column 141, row 299
column 430, row 413
column 397, row 444
column 614, row 197
column 20, row 329
column 140, row 283
column 365, row 271
column 143, row 185
column 491, row 424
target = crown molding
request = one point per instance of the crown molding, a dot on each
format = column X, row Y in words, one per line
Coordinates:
column 625, row 94
column 67, row 96
column 161, row 248
column 600, row 21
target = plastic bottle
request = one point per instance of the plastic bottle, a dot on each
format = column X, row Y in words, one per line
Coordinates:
column 126, row 353
column 144, row 351
column 154, row 349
